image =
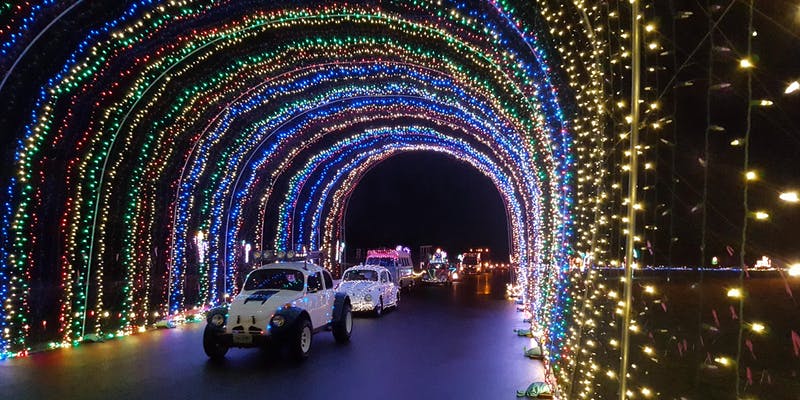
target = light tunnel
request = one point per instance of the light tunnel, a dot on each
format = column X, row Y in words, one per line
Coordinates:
column 396, row 140
column 250, row 121
column 460, row 151
column 333, row 224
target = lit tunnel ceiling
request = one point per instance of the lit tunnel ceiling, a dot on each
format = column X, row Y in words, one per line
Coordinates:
column 396, row 139
column 178, row 130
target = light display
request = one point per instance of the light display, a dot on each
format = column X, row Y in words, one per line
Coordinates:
column 177, row 131
column 395, row 134
column 171, row 135
column 180, row 143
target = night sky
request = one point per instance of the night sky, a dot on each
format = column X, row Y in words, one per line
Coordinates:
column 418, row 199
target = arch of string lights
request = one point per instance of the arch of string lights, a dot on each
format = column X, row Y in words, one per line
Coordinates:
column 176, row 130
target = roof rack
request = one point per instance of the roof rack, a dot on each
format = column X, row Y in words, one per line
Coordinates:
column 270, row 256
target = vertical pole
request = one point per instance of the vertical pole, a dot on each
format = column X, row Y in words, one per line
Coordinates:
column 632, row 184
column 344, row 231
column 745, row 205
column 706, row 168
column 85, row 310
column 707, row 143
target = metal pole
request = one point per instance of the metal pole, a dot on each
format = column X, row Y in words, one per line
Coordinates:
column 344, row 230
column 632, row 184
column 745, row 204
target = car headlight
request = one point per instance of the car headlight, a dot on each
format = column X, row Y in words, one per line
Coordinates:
column 278, row 321
column 368, row 297
column 217, row 320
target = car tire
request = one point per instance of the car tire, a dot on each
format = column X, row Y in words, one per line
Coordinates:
column 378, row 311
column 300, row 344
column 212, row 345
column 397, row 300
column 344, row 326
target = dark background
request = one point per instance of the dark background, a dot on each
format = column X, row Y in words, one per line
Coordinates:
column 416, row 199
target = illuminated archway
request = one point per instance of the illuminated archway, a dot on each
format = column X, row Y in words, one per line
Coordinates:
column 156, row 147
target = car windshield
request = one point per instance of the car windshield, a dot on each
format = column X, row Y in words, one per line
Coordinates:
column 471, row 259
column 280, row 279
column 382, row 261
column 360, row 275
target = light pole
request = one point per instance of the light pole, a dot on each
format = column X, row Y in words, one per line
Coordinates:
column 632, row 187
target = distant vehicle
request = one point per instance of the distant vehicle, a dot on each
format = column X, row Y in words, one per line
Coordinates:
column 438, row 269
column 370, row 288
column 284, row 303
column 471, row 263
column 764, row 264
column 397, row 261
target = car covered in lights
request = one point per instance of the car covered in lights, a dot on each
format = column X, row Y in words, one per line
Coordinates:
column 370, row 288
column 284, row 303
column 471, row 261
column 438, row 270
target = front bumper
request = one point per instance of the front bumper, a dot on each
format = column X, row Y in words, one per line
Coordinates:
column 244, row 340
column 360, row 306
column 436, row 281
column 253, row 336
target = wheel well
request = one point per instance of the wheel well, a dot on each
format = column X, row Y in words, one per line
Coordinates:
column 341, row 300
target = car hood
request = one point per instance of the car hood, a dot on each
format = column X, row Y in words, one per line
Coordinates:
column 357, row 287
column 255, row 302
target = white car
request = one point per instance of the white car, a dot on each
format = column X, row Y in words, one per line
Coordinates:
column 284, row 302
column 370, row 288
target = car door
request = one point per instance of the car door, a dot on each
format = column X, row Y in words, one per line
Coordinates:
column 315, row 299
column 386, row 287
column 329, row 297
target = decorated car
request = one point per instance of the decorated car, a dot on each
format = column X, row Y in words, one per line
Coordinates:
column 438, row 270
column 474, row 261
column 370, row 288
column 284, row 303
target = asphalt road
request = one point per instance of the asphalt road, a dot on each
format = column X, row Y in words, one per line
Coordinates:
column 442, row 343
